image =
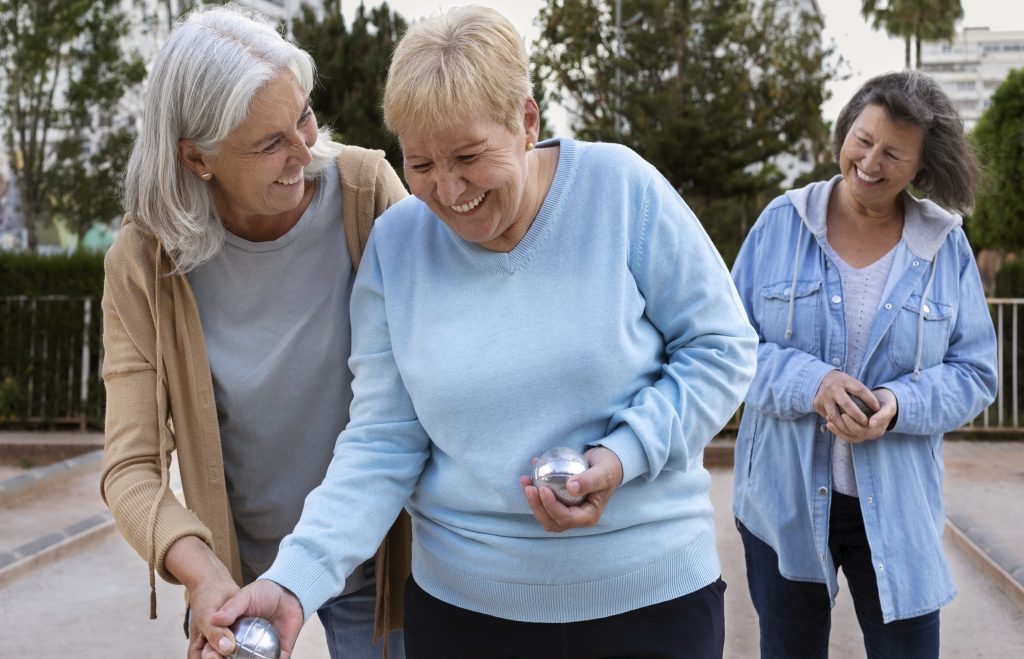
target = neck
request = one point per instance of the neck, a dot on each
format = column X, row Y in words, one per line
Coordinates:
column 869, row 217
column 264, row 228
column 543, row 163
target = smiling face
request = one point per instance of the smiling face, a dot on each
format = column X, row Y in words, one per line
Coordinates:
column 879, row 159
column 477, row 178
column 258, row 170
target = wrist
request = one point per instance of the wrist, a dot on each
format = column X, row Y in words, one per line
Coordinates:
column 193, row 563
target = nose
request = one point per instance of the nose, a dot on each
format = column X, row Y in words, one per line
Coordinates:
column 869, row 163
column 448, row 186
column 302, row 143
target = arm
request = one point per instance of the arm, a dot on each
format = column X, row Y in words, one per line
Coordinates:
column 709, row 345
column 787, row 380
column 133, row 468
column 956, row 390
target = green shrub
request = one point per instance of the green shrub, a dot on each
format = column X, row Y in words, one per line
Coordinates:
column 1010, row 279
column 43, row 302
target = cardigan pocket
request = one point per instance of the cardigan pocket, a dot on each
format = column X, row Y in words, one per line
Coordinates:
column 806, row 325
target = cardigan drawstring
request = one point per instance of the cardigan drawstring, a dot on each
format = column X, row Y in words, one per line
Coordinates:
column 164, row 445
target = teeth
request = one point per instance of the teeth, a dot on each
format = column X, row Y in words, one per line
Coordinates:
column 290, row 181
column 469, row 205
column 864, row 177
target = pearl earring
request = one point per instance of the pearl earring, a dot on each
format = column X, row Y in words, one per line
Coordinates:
column 206, row 176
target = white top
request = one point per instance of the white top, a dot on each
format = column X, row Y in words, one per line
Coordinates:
column 862, row 293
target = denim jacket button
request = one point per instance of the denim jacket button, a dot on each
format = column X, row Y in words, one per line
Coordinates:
column 917, row 263
column 888, row 306
column 871, row 499
column 836, row 299
column 926, row 309
column 836, row 361
column 823, row 428
column 822, row 491
column 881, row 568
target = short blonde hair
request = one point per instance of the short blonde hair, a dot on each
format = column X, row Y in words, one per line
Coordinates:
column 467, row 62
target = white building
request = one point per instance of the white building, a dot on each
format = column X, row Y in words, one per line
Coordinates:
column 972, row 66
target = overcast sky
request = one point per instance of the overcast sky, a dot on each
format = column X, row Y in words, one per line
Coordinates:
column 867, row 52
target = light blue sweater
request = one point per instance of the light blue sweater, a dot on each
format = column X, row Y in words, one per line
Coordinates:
column 613, row 322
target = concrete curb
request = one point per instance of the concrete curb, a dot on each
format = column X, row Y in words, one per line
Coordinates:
column 986, row 555
column 53, row 546
column 36, row 479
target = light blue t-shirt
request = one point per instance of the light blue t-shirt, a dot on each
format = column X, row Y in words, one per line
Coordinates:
column 614, row 321
column 277, row 333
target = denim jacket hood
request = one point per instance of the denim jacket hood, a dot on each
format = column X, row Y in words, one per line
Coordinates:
column 931, row 343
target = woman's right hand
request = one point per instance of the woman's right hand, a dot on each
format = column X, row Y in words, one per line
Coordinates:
column 833, row 403
column 261, row 599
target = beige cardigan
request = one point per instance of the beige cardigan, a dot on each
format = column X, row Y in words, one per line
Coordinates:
column 160, row 397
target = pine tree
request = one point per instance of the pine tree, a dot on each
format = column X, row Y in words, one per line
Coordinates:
column 708, row 91
column 352, row 67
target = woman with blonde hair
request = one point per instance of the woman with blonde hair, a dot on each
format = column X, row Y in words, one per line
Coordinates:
column 530, row 296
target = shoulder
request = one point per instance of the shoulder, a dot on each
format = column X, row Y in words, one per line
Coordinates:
column 779, row 215
column 615, row 161
column 134, row 251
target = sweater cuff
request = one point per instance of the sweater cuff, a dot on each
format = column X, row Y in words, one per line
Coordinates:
column 626, row 446
column 302, row 574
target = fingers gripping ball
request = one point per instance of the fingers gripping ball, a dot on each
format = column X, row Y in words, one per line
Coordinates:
column 860, row 404
column 255, row 639
column 554, row 469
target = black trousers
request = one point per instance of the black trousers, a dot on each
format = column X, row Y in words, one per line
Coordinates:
column 690, row 627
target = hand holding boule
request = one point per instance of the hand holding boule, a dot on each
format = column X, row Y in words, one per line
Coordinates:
column 255, row 638
column 554, row 469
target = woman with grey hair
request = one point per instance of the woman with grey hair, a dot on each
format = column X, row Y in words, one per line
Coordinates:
column 226, row 323
column 875, row 339
column 530, row 297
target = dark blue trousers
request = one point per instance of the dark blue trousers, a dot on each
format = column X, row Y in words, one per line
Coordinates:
column 795, row 616
column 691, row 627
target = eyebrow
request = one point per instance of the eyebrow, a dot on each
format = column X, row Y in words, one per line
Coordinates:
column 274, row 136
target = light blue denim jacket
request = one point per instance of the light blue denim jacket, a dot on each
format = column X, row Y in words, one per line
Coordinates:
column 937, row 358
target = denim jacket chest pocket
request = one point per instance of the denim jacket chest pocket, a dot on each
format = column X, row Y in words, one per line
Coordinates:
column 775, row 300
column 938, row 320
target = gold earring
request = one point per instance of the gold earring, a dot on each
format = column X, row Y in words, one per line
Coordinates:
column 529, row 146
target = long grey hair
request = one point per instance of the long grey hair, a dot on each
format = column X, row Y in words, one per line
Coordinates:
column 200, row 87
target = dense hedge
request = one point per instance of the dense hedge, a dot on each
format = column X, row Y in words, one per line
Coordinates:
column 42, row 329
column 30, row 274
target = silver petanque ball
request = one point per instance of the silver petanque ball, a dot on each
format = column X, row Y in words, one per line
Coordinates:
column 553, row 470
column 255, row 639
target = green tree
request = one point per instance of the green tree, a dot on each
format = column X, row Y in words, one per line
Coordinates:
column 708, row 91
column 352, row 66
column 914, row 21
column 64, row 72
column 998, row 220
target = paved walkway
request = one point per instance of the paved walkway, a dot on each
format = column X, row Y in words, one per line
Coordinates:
column 70, row 586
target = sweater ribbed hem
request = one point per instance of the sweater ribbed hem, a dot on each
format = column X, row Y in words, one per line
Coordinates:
column 667, row 578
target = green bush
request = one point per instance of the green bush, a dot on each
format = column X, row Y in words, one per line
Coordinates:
column 1010, row 279
column 43, row 302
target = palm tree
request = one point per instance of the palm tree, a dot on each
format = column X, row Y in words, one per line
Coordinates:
column 914, row 20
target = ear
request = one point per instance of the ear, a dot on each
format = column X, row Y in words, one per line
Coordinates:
column 192, row 158
column 531, row 119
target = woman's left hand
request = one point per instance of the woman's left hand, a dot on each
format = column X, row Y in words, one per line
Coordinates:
column 598, row 483
column 877, row 425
